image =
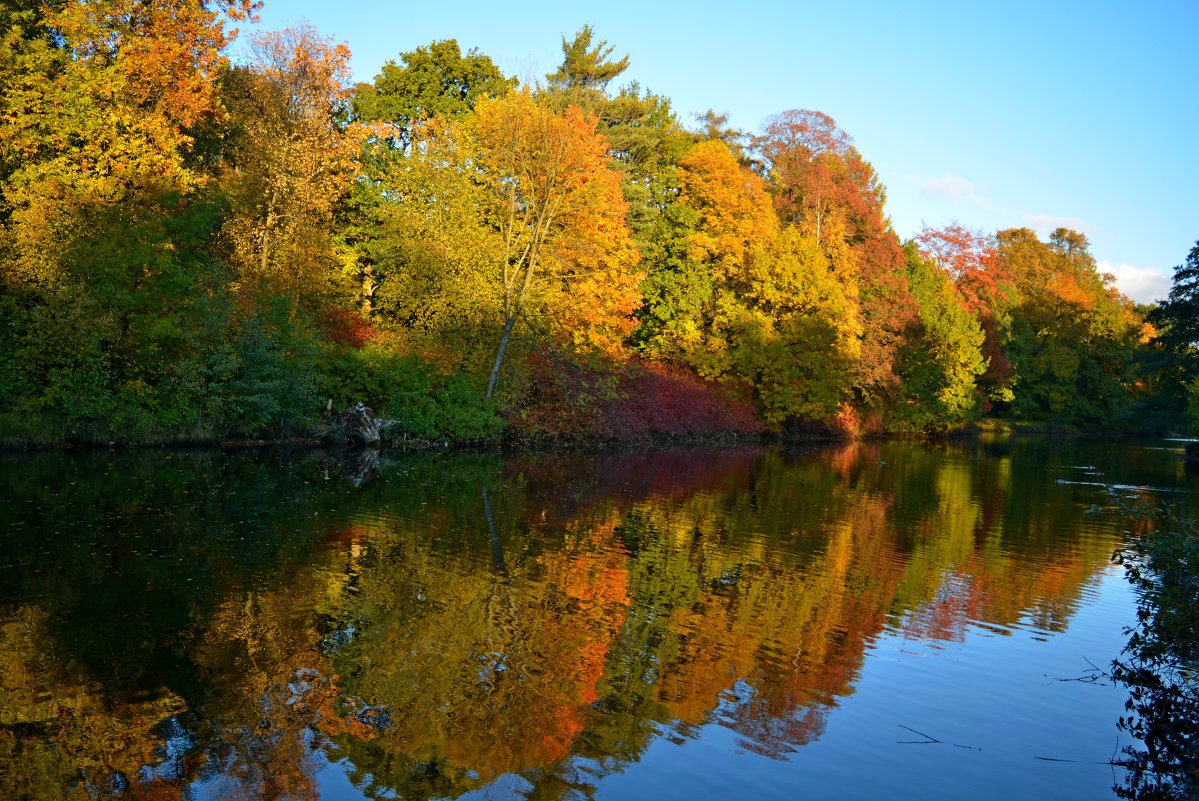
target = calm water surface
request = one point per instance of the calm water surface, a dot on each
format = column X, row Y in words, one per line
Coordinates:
column 869, row 621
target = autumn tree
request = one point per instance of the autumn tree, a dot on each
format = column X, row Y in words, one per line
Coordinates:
column 707, row 238
column 555, row 201
column 971, row 259
column 711, row 124
column 101, row 100
column 290, row 163
column 504, row 226
column 806, row 152
column 1073, row 335
column 968, row 257
column 644, row 136
column 430, row 85
column 431, row 249
column 741, row 300
column 821, row 183
column 799, row 341
column 732, row 206
column 107, row 204
column 941, row 363
column 520, row 184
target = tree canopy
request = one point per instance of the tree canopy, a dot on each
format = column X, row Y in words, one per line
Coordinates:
column 194, row 248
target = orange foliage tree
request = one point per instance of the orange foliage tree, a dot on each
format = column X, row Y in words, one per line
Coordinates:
column 735, row 213
column 723, row 221
column 748, row 302
column 556, row 202
column 99, row 108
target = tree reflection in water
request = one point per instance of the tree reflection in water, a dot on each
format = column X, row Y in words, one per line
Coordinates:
column 1160, row 665
column 225, row 626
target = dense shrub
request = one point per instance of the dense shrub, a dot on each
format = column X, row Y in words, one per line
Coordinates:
column 425, row 401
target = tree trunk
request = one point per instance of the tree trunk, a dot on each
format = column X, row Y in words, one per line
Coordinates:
column 499, row 357
column 368, row 289
column 268, row 224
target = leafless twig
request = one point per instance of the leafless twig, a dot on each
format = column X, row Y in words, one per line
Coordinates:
column 930, row 740
column 926, row 741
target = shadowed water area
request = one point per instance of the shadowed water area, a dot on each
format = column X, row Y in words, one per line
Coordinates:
column 865, row 621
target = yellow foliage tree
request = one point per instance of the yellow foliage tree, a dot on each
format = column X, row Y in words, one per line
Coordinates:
column 291, row 162
column 735, row 212
column 555, row 200
column 782, row 318
column 98, row 109
column 432, row 253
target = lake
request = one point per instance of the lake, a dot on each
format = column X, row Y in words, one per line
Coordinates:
column 875, row 620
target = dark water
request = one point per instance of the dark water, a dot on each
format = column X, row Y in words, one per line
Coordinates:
column 869, row 621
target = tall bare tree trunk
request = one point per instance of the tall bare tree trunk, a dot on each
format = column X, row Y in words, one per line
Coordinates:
column 499, row 357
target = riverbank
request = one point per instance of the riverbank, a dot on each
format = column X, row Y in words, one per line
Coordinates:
column 34, row 432
column 43, row 438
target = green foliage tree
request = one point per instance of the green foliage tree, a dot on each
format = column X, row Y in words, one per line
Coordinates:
column 800, row 341
column 431, row 248
column 1157, row 664
column 436, row 80
column 1172, row 361
column 431, row 85
column 109, row 211
column 970, row 259
column 1178, row 315
column 1073, row 335
column 938, row 367
column 715, row 125
column 644, row 137
column 585, row 68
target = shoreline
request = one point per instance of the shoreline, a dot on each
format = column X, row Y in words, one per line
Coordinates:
column 29, row 442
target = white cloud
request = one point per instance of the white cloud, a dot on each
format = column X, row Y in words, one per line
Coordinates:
column 1045, row 224
column 1142, row 284
column 953, row 187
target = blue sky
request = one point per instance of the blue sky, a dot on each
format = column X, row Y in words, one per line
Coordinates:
column 1036, row 114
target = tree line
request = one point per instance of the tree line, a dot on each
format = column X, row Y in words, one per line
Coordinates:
column 194, row 249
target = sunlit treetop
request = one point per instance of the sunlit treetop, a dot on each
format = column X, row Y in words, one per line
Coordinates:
column 586, row 67
column 430, row 81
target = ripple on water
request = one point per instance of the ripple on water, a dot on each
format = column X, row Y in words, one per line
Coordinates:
column 759, row 626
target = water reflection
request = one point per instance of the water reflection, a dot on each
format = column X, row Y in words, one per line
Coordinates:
column 258, row 626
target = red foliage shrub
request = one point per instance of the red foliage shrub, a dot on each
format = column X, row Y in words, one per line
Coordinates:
column 637, row 400
column 657, row 399
column 347, row 327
